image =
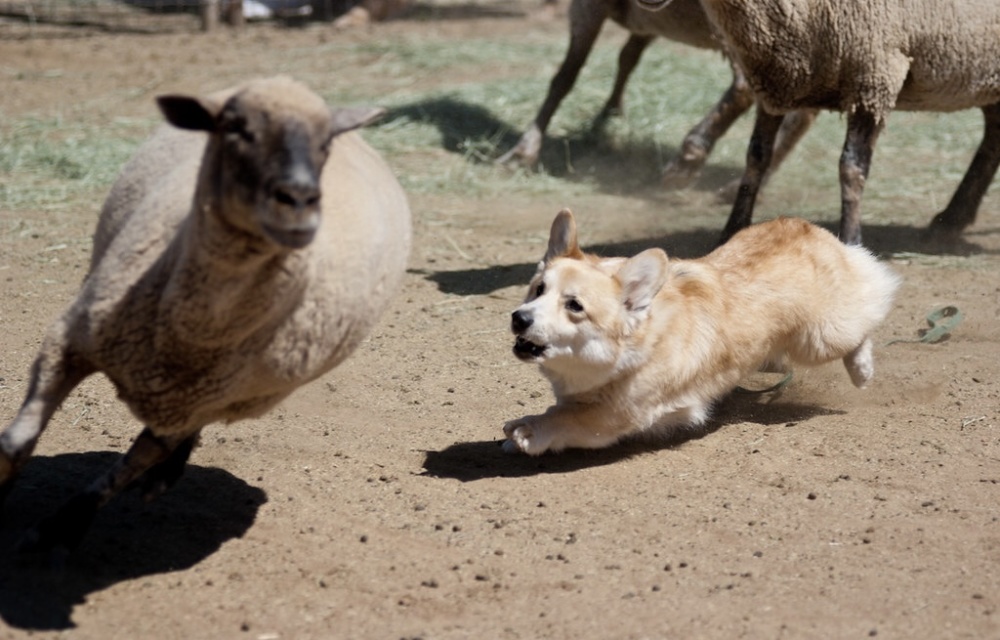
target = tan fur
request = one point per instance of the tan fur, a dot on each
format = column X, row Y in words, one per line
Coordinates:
column 228, row 270
column 658, row 341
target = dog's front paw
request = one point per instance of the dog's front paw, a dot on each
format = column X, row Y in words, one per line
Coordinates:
column 526, row 436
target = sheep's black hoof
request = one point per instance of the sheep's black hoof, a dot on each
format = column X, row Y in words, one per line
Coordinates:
column 161, row 477
column 941, row 232
column 60, row 534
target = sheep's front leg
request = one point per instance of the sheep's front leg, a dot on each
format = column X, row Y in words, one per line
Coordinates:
column 862, row 134
column 700, row 140
column 64, row 530
column 961, row 210
column 759, row 155
column 586, row 19
column 53, row 375
column 628, row 59
column 164, row 475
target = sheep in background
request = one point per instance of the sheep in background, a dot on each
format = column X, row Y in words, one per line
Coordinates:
column 865, row 58
column 228, row 270
column 683, row 21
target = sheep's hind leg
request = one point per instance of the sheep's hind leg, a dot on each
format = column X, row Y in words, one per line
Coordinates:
column 53, row 375
column 961, row 210
column 63, row 531
column 863, row 129
column 628, row 59
column 700, row 140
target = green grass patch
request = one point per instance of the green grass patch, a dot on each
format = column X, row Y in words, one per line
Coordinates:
column 48, row 164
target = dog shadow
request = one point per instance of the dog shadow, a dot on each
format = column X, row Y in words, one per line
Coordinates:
column 128, row 539
column 884, row 240
column 471, row 461
column 486, row 280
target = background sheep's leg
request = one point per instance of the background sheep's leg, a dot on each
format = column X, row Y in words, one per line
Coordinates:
column 64, row 530
column 794, row 126
column 759, row 155
column 699, row 141
column 628, row 59
column 961, row 210
column 792, row 129
column 53, row 376
column 862, row 133
column 586, row 20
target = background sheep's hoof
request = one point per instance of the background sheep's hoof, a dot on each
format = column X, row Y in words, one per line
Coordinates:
column 941, row 232
column 527, row 150
column 680, row 173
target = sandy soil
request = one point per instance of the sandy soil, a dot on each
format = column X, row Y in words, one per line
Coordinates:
column 377, row 503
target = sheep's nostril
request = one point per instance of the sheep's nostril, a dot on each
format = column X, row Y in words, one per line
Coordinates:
column 296, row 195
column 283, row 197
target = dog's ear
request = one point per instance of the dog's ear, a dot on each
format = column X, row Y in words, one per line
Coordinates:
column 642, row 277
column 562, row 238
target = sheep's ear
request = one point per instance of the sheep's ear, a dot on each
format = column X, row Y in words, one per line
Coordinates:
column 642, row 277
column 186, row 112
column 562, row 238
column 350, row 118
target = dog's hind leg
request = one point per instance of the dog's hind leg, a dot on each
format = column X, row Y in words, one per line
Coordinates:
column 860, row 364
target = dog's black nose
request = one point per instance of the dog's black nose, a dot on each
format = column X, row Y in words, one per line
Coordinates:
column 520, row 320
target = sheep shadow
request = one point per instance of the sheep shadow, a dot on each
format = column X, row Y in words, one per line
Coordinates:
column 884, row 240
column 128, row 539
column 586, row 154
column 471, row 461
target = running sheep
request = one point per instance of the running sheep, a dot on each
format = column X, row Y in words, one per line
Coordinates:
column 228, row 270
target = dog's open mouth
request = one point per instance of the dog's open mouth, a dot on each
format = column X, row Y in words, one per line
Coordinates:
column 527, row 350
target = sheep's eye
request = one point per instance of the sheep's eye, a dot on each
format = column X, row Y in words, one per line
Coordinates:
column 540, row 289
column 573, row 305
column 237, row 127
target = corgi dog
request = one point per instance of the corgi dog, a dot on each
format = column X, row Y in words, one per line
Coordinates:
column 648, row 343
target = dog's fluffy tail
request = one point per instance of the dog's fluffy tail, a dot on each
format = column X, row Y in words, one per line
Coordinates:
column 858, row 298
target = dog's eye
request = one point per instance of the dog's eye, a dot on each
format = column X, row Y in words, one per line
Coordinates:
column 540, row 289
column 574, row 305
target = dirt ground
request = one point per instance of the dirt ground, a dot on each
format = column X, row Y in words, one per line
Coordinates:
column 377, row 503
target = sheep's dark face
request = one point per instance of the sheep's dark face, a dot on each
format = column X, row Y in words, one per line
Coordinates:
column 269, row 144
column 271, row 170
